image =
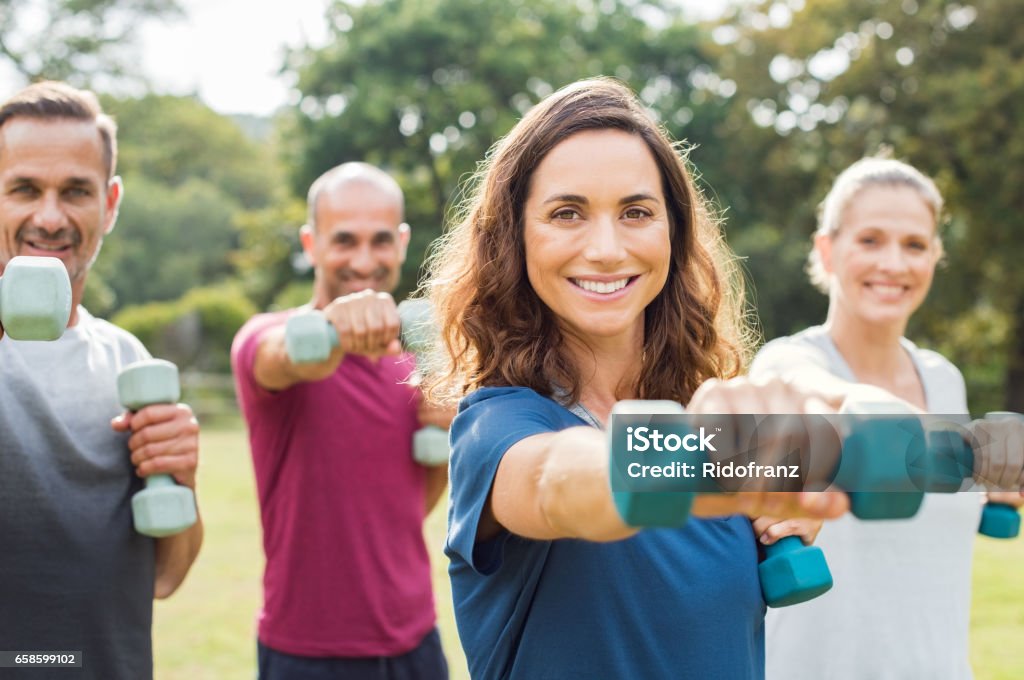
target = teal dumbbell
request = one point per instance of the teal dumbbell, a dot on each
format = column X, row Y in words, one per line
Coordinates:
column 310, row 337
column 163, row 508
column 999, row 520
column 872, row 469
column 649, row 508
column 35, row 298
column 937, row 460
column 791, row 572
column 876, row 449
column 956, row 458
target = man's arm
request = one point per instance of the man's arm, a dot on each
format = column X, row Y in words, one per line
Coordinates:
column 437, row 476
column 274, row 371
column 165, row 440
column 437, row 482
column 174, row 557
column 366, row 323
column 555, row 485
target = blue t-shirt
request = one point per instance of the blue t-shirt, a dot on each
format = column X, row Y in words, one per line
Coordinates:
column 679, row 603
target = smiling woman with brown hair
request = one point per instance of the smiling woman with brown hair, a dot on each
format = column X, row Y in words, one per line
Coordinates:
column 587, row 269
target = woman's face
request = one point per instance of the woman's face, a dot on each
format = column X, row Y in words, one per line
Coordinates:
column 597, row 234
column 882, row 258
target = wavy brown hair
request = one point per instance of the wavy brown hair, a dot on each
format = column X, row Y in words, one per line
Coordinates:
column 497, row 332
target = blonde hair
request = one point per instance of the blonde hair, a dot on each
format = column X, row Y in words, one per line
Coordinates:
column 867, row 172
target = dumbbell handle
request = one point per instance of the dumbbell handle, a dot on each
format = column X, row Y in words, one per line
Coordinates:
column 163, row 508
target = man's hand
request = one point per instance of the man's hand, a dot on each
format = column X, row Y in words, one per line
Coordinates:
column 164, row 440
column 367, row 323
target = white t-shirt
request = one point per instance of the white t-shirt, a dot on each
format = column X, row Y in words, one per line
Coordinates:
column 900, row 606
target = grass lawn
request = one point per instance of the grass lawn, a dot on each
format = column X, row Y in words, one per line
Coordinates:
column 206, row 631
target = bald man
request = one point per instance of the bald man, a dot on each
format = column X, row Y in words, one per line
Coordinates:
column 347, row 588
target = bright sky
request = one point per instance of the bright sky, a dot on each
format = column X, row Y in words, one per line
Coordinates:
column 230, row 50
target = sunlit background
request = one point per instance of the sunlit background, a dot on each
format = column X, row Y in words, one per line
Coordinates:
column 229, row 109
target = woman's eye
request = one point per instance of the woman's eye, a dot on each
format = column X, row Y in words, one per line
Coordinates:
column 636, row 214
column 567, row 214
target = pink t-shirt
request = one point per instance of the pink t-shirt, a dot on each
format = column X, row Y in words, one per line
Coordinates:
column 342, row 504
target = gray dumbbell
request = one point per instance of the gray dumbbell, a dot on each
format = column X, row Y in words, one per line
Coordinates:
column 35, row 298
column 163, row 508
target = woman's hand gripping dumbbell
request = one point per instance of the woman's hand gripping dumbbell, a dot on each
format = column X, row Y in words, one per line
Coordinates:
column 791, row 572
column 938, row 456
column 1001, row 520
column 35, row 298
column 991, row 451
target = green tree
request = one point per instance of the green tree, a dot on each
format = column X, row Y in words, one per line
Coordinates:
column 424, row 87
column 80, row 41
column 943, row 84
column 173, row 140
column 192, row 181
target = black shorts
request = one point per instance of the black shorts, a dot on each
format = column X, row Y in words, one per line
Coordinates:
column 425, row 662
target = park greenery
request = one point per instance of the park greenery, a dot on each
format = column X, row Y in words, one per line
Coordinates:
column 772, row 99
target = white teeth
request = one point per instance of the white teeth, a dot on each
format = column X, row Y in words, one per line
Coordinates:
column 887, row 290
column 601, row 286
column 44, row 246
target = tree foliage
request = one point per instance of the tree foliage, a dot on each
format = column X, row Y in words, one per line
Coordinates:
column 191, row 181
column 425, row 87
column 941, row 83
column 776, row 98
column 79, row 41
